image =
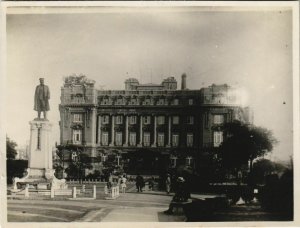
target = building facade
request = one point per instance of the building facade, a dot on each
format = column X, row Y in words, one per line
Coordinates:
column 149, row 128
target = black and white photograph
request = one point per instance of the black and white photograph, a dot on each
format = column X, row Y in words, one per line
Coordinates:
column 155, row 112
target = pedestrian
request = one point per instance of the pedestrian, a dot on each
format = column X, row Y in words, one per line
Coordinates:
column 123, row 183
column 168, row 183
column 139, row 180
column 151, row 183
column 109, row 182
column 119, row 180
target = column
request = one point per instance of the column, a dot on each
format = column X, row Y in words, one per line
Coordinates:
column 99, row 130
column 169, row 132
column 141, row 131
column 155, row 134
column 93, row 126
column 112, row 143
column 126, row 131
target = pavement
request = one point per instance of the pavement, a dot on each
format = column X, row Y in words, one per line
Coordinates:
column 129, row 207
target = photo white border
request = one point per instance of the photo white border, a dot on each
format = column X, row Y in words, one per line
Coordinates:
column 86, row 6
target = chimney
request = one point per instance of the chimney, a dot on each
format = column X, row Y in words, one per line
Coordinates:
column 183, row 81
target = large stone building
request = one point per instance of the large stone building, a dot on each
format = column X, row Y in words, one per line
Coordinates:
column 149, row 127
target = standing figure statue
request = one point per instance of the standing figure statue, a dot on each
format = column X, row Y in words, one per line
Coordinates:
column 41, row 99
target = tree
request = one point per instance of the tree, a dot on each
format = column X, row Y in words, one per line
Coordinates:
column 11, row 151
column 15, row 168
column 263, row 167
column 243, row 143
column 78, row 165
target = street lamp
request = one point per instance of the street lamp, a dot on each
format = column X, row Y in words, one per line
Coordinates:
column 174, row 158
column 118, row 159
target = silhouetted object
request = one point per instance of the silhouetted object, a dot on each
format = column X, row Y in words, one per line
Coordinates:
column 181, row 195
column 247, row 194
column 203, row 210
column 41, row 99
column 277, row 195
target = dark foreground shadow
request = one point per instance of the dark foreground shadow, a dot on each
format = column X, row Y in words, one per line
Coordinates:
column 170, row 218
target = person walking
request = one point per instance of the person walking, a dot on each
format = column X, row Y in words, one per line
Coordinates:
column 123, row 183
column 139, row 183
column 151, row 183
column 109, row 182
column 168, row 184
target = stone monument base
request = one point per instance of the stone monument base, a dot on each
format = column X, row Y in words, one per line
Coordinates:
column 40, row 179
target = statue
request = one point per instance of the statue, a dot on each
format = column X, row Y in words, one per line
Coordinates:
column 41, row 99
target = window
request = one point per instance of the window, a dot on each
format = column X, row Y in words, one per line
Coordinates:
column 191, row 101
column 133, row 101
column 118, row 138
column 189, row 139
column 132, row 120
column 190, row 120
column 120, row 101
column 161, row 139
column 119, row 119
column 105, row 119
column 146, row 139
column 147, row 119
column 105, row 138
column 175, row 101
column 161, row 120
column 218, row 119
column 147, row 101
column 218, row 138
column 106, row 101
column 175, row 140
column 77, row 136
column 208, row 99
column 161, row 101
column 77, row 118
column 175, row 119
column 132, row 138
column 173, row 161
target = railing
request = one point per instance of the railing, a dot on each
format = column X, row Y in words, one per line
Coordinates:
column 84, row 181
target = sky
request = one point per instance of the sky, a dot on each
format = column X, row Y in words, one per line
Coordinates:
column 247, row 49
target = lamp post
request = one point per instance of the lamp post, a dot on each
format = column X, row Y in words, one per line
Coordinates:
column 189, row 158
column 118, row 159
column 174, row 158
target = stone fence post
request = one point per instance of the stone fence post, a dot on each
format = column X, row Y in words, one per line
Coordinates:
column 118, row 191
column 27, row 191
column 52, row 192
column 74, row 192
column 94, row 191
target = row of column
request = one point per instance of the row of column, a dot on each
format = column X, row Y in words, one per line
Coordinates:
column 112, row 143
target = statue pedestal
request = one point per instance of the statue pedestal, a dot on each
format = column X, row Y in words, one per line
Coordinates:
column 40, row 172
